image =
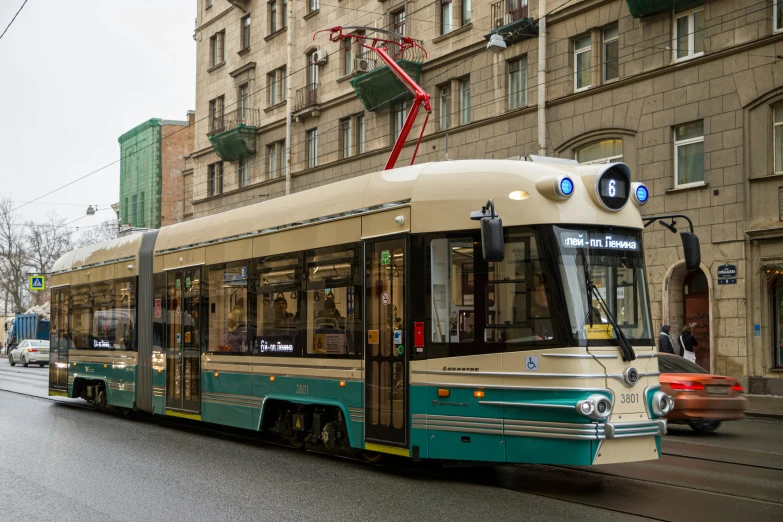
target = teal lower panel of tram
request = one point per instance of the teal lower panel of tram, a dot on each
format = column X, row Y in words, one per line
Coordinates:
column 503, row 425
column 119, row 380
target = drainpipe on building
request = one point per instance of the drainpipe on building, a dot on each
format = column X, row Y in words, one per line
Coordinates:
column 542, row 78
column 289, row 102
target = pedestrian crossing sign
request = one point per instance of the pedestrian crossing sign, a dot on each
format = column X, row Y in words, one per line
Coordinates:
column 37, row 282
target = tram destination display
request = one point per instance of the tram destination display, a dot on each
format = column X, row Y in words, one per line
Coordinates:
column 598, row 240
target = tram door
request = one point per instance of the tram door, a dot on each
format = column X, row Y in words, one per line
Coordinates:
column 386, row 368
column 183, row 354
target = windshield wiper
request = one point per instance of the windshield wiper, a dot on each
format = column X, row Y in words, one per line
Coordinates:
column 625, row 345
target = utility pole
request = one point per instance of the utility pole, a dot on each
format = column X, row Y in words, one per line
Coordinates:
column 289, row 102
column 541, row 78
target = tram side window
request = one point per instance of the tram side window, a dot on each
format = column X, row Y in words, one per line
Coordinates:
column 114, row 315
column 102, row 304
column 277, row 294
column 519, row 294
column 159, row 312
column 59, row 328
column 81, row 317
column 333, row 285
column 226, row 289
column 453, row 287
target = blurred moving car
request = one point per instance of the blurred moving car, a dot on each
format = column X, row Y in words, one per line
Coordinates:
column 35, row 352
column 701, row 400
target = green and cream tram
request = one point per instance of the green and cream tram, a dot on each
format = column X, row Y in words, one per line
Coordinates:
column 390, row 313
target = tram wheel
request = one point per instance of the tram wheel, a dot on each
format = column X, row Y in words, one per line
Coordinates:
column 372, row 457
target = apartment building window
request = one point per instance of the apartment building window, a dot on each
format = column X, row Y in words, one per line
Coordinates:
column 611, row 42
column 313, row 70
column 360, row 134
column 689, row 34
column 311, row 151
column 777, row 15
column 276, row 86
column 216, row 114
column 275, row 153
column 271, row 86
column 284, row 15
column 399, row 113
column 464, row 101
column 244, row 172
column 778, row 137
column 125, row 212
column 244, row 100
column 246, row 32
column 445, row 107
column 583, row 63
column 517, row 83
column 313, row 5
column 215, row 179
column 135, row 211
column 689, row 154
column 602, row 152
column 445, row 16
column 272, row 16
column 398, row 22
column 346, row 138
column 466, row 11
column 216, row 49
column 142, row 215
column 209, row 4
column 347, row 61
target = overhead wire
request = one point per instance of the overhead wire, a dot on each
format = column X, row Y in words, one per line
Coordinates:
column 12, row 19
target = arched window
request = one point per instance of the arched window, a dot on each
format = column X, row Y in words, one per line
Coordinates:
column 604, row 151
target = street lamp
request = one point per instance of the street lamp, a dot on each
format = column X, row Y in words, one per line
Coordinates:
column 496, row 44
column 91, row 211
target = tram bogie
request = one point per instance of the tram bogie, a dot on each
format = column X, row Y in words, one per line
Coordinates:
column 385, row 315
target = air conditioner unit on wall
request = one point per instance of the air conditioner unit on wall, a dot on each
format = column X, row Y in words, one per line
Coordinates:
column 320, row 57
column 362, row 66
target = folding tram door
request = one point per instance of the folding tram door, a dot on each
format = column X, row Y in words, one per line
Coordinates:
column 386, row 367
column 183, row 353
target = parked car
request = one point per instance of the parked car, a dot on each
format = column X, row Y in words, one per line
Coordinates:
column 27, row 352
column 701, row 400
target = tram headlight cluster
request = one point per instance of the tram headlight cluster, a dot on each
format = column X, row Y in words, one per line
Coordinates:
column 662, row 403
column 640, row 192
column 596, row 407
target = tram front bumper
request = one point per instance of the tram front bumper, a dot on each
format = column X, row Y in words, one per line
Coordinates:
column 630, row 441
column 634, row 429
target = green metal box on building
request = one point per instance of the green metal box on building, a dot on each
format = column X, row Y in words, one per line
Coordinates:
column 379, row 88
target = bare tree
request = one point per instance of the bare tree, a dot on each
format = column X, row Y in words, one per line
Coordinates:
column 46, row 242
column 103, row 232
column 13, row 256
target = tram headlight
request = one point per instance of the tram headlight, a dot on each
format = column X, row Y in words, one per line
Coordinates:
column 596, row 407
column 641, row 194
column 556, row 188
column 662, row 404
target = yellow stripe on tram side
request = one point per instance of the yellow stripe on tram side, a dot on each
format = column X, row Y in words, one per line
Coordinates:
column 380, row 448
column 56, row 393
column 191, row 416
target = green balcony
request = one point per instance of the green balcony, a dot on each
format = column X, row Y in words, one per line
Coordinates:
column 511, row 20
column 379, row 87
column 233, row 136
column 642, row 8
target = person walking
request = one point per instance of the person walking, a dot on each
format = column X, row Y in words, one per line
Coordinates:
column 688, row 341
column 665, row 341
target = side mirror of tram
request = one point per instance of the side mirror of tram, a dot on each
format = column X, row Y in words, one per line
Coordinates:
column 492, row 243
column 691, row 251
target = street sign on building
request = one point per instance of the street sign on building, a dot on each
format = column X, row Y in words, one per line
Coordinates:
column 37, row 283
column 727, row 275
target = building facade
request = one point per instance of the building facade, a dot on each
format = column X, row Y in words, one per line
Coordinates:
column 689, row 94
column 151, row 172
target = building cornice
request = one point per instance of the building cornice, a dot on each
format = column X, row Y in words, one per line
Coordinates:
column 215, row 19
column 249, row 66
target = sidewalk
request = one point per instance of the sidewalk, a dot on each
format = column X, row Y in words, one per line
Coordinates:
column 770, row 406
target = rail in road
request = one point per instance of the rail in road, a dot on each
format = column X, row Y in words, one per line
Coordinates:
column 735, row 473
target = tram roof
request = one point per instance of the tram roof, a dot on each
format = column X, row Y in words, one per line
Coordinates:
column 441, row 196
column 104, row 252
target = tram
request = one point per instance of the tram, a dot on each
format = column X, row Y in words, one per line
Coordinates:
column 478, row 310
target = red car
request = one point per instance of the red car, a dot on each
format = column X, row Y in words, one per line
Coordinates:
column 701, row 400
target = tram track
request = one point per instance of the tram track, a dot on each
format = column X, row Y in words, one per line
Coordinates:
column 634, row 490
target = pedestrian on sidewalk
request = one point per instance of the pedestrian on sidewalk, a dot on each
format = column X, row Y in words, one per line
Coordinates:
column 665, row 341
column 687, row 342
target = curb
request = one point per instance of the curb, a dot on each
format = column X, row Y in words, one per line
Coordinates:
column 764, row 415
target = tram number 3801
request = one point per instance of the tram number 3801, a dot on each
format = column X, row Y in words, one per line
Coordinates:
column 301, row 389
column 629, row 398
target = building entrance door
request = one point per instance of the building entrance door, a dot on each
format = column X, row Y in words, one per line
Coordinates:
column 696, row 311
column 183, row 353
column 386, row 354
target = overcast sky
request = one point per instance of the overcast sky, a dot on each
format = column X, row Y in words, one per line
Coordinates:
column 74, row 76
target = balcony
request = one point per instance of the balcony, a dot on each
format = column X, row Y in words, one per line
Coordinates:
column 642, row 8
column 233, row 135
column 377, row 86
column 510, row 19
column 307, row 103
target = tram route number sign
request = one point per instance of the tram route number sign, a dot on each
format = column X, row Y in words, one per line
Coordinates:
column 727, row 275
column 158, row 307
column 385, row 257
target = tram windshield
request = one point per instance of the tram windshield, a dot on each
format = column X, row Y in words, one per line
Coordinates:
column 612, row 259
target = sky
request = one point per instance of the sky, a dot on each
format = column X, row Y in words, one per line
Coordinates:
column 74, row 76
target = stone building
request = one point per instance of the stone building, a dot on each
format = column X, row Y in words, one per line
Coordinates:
column 152, row 161
column 689, row 94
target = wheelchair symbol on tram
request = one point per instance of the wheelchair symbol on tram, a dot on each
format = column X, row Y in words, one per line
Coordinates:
column 531, row 363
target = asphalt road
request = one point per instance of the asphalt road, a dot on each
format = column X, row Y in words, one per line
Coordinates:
column 62, row 461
